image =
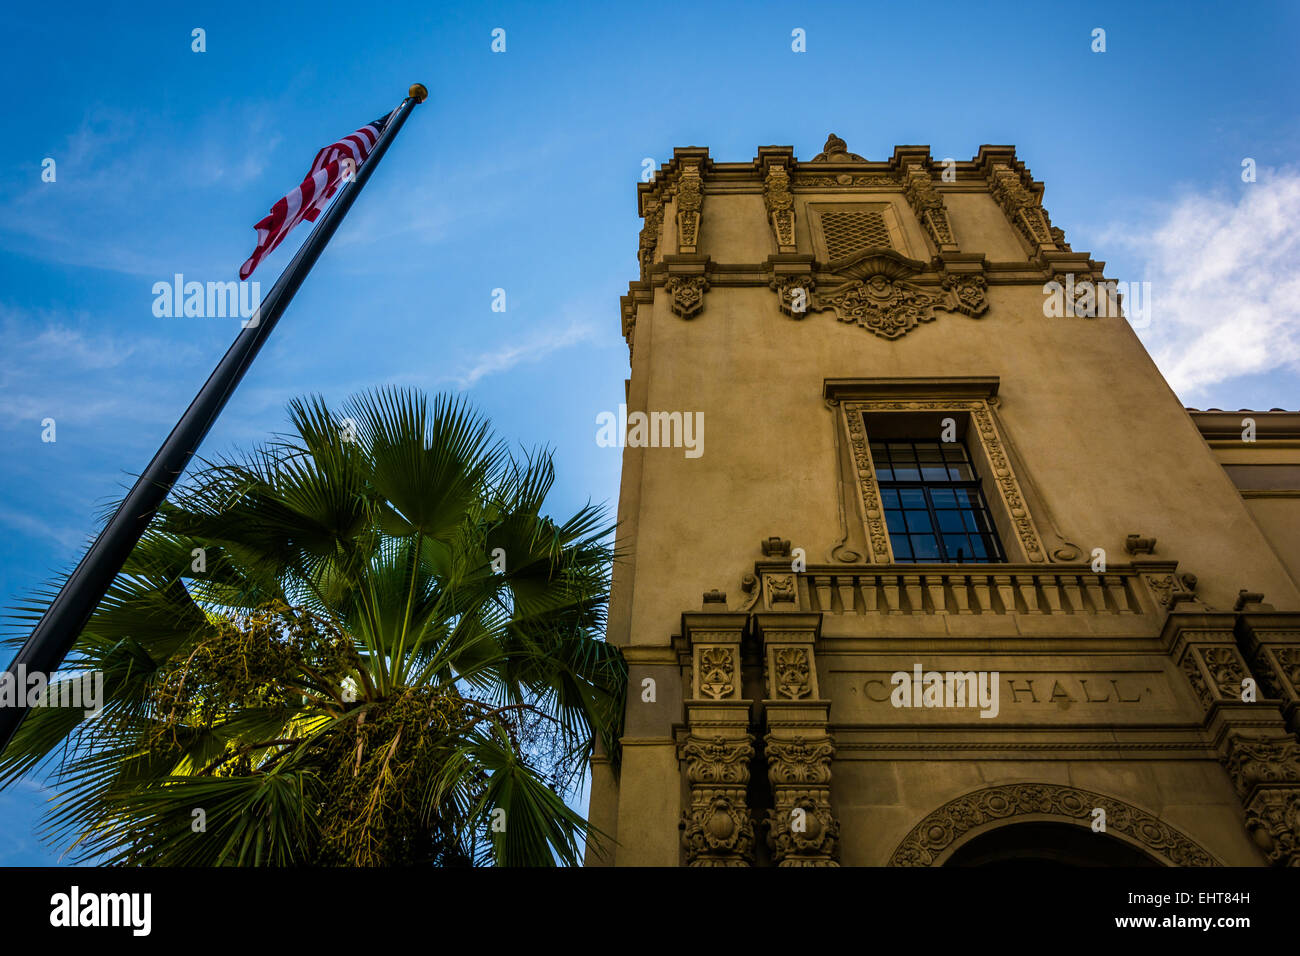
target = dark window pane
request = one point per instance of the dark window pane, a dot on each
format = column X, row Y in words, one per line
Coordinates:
column 884, row 473
column 888, row 498
column 943, row 498
column 954, row 451
column 911, row 497
column 919, row 521
column 952, row 543
column 925, row 548
column 981, row 551
column 960, row 471
column 906, row 472
column 902, row 547
column 951, row 521
column 928, row 453
column 894, row 522
column 877, row 448
column 934, row 473
column 972, row 522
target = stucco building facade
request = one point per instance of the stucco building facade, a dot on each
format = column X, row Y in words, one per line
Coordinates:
column 947, row 574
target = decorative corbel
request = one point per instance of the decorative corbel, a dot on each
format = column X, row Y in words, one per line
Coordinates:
column 690, row 201
column 1020, row 206
column 929, row 207
column 780, row 206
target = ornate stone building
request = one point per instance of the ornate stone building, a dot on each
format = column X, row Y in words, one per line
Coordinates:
column 951, row 575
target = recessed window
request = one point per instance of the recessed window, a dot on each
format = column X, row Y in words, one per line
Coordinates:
column 934, row 508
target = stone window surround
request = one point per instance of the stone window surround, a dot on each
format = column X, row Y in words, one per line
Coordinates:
column 971, row 397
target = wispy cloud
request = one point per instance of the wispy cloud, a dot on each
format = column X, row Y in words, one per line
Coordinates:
column 529, row 349
column 1225, row 283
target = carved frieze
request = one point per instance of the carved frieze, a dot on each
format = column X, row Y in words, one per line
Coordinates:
column 802, row 829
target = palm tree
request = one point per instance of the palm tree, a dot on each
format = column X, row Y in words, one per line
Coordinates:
column 360, row 644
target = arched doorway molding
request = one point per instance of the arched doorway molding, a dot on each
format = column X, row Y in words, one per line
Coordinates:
column 943, row 832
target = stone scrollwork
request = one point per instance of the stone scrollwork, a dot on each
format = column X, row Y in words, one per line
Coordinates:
column 932, row 837
column 686, row 294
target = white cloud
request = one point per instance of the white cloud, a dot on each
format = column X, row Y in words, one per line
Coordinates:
column 1225, row 283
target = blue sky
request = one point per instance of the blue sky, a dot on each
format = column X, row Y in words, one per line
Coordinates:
column 520, row 173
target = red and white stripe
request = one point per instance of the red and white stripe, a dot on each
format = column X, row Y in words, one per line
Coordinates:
column 328, row 171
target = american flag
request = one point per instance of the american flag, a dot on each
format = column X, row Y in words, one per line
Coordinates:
column 333, row 164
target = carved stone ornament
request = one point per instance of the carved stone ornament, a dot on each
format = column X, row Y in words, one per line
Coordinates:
column 803, row 832
column 792, row 673
column 844, row 179
column 881, row 301
column 686, row 294
column 780, row 206
column 798, row 762
column 836, row 151
column 690, row 199
column 1273, row 822
column 717, row 671
column 930, row 838
column 781, row 588
column 795, row 294
column 1226, row 670
column 717, row 829
column 1255, row 760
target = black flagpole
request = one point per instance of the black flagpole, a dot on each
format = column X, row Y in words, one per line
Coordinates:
column 64, row 619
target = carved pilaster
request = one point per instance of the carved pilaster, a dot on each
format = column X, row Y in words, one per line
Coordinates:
column 1021, row 208
column 929, row 207
column 717, row 827
column 690, row 201
column 802, row 828
column 780, row 206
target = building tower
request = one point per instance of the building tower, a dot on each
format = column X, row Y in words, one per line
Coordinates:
column 925, row 562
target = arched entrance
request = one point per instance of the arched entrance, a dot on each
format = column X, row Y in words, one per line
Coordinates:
column 1043, row 845
column 984, row 819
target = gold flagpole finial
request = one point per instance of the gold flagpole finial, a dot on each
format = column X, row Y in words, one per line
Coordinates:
column 419, row 92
